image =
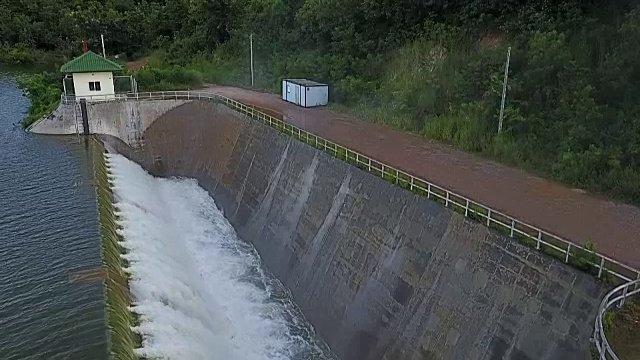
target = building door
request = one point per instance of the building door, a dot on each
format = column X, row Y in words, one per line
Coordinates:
column 289, row 96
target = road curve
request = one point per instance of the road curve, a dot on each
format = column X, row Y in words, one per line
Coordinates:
column 573, row 214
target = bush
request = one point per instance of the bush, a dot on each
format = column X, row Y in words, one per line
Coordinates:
column 167, row 78
column 219, row 69
column 18, row 54
column 43, row 91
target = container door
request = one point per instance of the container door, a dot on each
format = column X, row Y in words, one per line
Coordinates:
column 324, row 96
column 298, row 90
column 284, row 90
column 312, row 96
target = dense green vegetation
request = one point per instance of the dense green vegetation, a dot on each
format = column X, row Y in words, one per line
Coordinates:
column 430, row 67
column 44, row 93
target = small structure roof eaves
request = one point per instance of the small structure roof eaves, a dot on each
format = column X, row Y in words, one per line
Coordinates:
column 90, row 62
column 305, row 82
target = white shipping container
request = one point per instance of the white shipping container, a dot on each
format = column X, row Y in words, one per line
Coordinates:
column 305, row 93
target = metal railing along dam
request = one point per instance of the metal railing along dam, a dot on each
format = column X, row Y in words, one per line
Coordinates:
column 616, row 297
column 540, row 239
column 601, row 265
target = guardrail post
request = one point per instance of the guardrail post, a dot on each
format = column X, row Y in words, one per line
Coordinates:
column 369, row 164
column 539, row 243
column 488, row 217
column 566, row 259
column 383, row 171
column 624, row 295
column 601, row 268
column 411, row 184
column 603, row 345
column 466, row 209
column 513, row 226
column 446, row 201
column 429, row 191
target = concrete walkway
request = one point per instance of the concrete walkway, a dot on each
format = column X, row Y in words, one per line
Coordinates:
column 569, row 213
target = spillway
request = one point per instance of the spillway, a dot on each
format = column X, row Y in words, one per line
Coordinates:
column 201, row 292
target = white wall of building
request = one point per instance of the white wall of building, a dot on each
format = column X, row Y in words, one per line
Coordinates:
column 291, row 92
column 305, row 96
column 316, row 96
column 81, row 85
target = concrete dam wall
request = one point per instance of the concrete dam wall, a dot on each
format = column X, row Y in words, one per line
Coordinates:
column 380, row 272
column 126, row 120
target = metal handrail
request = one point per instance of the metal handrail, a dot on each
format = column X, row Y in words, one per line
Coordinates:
column 491, row 217
column 617, row 295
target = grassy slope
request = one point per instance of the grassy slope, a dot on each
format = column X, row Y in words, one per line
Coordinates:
column 624, row 332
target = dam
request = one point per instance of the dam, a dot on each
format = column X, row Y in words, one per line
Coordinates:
column 378, row 271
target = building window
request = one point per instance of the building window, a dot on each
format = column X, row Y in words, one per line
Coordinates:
column 94, row 86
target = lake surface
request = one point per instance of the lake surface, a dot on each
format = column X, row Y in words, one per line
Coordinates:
column 48, row 231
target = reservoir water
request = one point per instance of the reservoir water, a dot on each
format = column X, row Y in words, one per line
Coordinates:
column 48, row 231
column 201, row 292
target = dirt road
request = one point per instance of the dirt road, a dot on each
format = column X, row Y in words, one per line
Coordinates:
column 569, row 213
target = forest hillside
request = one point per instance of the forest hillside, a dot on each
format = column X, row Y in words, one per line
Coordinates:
column 432, row 67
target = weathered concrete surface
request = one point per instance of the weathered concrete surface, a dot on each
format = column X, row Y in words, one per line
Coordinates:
column 124, row 120
column 380, row 272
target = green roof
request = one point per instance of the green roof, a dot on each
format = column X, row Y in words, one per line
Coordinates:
column 90, row 62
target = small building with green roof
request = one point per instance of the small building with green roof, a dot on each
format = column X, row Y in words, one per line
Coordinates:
column 92, row 75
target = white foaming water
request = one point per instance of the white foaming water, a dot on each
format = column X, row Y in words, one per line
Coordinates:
column 200, row 292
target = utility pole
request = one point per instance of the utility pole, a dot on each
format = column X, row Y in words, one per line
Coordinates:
column 104, row 54
column 504, row 89
column 251, row 44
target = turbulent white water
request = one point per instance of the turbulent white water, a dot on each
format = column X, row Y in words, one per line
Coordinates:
column 200, row 291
